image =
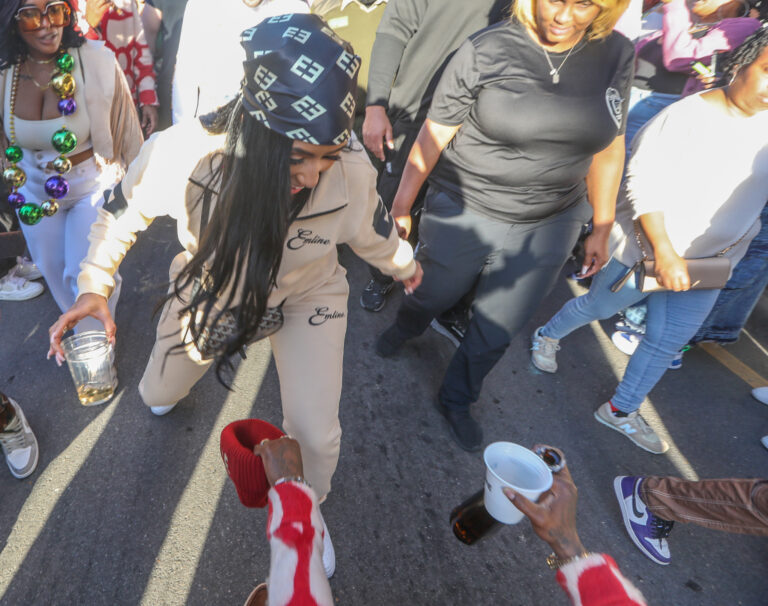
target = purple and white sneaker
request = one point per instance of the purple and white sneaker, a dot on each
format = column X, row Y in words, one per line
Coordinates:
column 646, row 530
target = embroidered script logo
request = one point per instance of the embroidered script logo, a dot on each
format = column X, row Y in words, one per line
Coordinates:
column 322, row 315
column 614, row 102
column 304, row 236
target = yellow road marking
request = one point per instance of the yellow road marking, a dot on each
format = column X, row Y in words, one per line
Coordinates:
column 736, row 366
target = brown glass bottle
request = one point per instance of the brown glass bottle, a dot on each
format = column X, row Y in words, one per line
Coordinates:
column 471, row 521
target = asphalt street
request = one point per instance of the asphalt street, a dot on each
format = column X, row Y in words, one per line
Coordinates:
column 128, row 508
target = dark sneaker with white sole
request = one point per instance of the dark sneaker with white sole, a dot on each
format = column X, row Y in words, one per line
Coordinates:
column 647, row 531
column 375, row 295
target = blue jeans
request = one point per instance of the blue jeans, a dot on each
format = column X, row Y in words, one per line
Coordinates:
column 739, row 297
column 644, row 105
column 673, row 318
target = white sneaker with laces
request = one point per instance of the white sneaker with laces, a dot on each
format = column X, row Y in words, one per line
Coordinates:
column 16, row 288
column 19, row 444
column 26, row 268
column 544, row 351
column 329, row 553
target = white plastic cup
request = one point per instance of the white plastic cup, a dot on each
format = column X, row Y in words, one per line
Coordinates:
column 518, row 468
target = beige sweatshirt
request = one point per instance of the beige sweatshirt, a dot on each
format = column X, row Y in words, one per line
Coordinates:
column 344, row 208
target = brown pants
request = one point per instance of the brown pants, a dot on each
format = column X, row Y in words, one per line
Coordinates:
column 308, row 351
column 732, row 505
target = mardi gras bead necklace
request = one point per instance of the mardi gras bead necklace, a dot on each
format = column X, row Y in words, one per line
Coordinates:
column 63, row 140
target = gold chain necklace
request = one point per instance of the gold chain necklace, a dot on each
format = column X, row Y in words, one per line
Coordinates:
column 35, row 82
column 41, row 61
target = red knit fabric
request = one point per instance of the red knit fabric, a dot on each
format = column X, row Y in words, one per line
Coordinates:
column 245, row 468
column 597, row 581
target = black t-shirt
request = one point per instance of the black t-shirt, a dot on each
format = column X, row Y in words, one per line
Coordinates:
column 526, row 144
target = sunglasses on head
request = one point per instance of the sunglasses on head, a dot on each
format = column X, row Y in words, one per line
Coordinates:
column 30, row 18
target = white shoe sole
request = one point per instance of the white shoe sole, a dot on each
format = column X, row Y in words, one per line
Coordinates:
column 626, row 435
column 30, row 292
column 161, row 410
column 329, row 553
column 628, row 522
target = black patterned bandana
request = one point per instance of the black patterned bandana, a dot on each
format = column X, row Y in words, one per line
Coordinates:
column 300, row 78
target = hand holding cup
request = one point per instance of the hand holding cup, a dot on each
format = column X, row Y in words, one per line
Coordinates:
column 553, row 515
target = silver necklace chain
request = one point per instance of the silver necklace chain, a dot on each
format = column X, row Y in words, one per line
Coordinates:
column 555, row 73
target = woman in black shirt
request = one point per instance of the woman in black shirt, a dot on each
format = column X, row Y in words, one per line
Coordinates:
column 526, row 124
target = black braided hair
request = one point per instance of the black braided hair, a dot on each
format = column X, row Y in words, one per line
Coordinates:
column 745, row 54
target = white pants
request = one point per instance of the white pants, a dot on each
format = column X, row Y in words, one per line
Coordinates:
column 59, row 243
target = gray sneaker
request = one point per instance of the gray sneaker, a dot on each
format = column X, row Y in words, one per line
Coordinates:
column 544, row 351
column 634, row 427
column 19, row 445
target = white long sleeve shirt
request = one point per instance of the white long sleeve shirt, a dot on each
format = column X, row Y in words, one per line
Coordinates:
column 209, row 63
column 706, row 170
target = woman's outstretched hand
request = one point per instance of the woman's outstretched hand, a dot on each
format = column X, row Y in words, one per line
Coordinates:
column 89, row 304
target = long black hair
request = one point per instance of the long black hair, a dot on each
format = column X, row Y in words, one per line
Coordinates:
column 12, row 48
column 240, row 251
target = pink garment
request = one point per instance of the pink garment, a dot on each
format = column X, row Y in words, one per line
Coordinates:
column 680, row 47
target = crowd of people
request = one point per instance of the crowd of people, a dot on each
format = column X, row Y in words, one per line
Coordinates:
column 492, row 138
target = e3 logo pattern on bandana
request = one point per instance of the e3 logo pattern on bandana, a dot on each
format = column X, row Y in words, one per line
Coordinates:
column 311, row 79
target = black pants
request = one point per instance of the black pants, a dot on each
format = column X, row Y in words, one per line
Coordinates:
column 518, row 264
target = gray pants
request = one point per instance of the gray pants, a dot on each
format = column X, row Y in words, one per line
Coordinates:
column 518, row 264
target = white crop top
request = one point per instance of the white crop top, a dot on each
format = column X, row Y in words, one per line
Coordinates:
column 36, row 134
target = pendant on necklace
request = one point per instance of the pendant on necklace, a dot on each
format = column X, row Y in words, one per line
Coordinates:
column 555, row 76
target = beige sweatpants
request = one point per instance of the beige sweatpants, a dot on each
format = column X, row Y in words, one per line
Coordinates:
column 308, row 351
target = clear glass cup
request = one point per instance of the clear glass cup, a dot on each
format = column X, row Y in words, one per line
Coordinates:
column 91, row 362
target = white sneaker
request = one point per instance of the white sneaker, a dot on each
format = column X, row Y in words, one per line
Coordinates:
column 626, row 342
column 162, row 410
column 26, row 268
column 544, row 351
column 16, row 288
column 19, row 445
column 760, row 394
column 329, row 553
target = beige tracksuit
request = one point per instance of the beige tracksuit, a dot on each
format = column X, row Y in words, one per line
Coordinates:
column 308, row 349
